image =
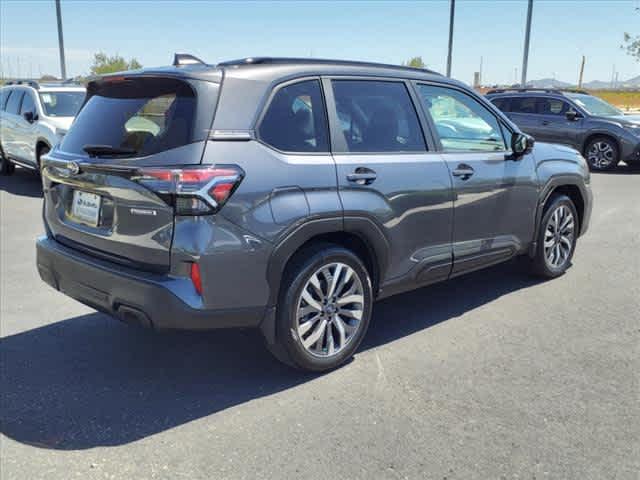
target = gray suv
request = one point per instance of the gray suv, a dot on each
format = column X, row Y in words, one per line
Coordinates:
column 601, row 132
column 290, row 194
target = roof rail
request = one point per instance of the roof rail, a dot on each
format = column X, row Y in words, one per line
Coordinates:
column 315, row 61
column 181, row 59
column 532, row 89
column 30, row 83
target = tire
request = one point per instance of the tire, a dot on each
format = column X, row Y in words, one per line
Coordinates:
column 6, row 167
column 555, row 246
column 43, row 150
column 308, row 327
column 602, row 154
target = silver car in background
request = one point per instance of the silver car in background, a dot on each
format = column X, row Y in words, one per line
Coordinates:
column 33, row 119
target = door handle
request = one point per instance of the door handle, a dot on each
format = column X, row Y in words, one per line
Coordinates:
column 362, row 176
column 463, row 171
column 545, row 122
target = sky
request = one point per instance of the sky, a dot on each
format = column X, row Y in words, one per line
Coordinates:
column 381, row 31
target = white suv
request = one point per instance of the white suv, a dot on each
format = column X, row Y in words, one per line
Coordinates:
column 33, row 119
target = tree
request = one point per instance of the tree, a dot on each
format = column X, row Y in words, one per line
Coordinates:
column 415, row 62
column 103, row 64
column 632, row 43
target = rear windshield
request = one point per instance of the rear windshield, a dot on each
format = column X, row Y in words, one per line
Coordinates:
column 142, row 116
column 61, row 104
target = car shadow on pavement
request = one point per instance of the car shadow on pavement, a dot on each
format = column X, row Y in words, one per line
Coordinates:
column 91, row 381
column 23, row 182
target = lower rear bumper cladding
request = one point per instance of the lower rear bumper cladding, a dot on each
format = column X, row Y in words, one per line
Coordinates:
column 148, row 300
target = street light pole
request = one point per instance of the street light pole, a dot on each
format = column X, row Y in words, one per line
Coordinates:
column 527, row 35
column 451, row 15
column 63, row 68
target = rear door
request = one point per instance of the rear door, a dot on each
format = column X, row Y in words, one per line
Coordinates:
column 389, row 173
column 554, row 125
column 10, row 139
column 94, row 201
column 495, row 196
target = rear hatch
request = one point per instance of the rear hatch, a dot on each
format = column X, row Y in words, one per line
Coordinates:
column 95, row 200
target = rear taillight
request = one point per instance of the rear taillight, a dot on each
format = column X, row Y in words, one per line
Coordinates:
column 194, row 191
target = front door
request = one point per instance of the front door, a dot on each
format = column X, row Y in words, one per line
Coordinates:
column 495, row 195
column 388, row 173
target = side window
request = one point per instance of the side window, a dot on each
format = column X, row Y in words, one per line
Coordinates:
column 501, row 103
column 5, row 93
column 27, row 104
column 462, row 123
column 552, row 106
column 13, row 105
column 524, row 105
column 377, row 116
column 295, row 120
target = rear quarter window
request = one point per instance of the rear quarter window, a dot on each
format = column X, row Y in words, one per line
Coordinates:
column 295, row 120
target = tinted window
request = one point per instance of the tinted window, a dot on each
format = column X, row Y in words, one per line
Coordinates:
column 501, row 103
column 27, row 104
column 4, row 97
column 144, row 115
column 524, row 105
column 295, row 120
column 552, row 106
column 462, row 123
column 13, row 105
column 61, row 104
column 377, row 116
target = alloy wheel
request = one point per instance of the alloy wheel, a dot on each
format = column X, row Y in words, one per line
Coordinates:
column 601, row 154
column 330, row 309
column 559, row 236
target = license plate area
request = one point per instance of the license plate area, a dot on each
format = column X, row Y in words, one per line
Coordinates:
column 85, row 207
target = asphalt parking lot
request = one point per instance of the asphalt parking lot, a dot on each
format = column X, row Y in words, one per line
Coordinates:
column 492, row 375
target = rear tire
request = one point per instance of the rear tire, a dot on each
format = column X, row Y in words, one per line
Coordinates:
column 556, row 238
column 602, row 154
column 43, row 150
column 324, row 308
column 6, row 167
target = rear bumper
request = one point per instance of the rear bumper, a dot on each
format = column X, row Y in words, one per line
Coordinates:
column 151, row 300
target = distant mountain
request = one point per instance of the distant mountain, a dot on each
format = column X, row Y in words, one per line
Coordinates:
column 548, row 83
column 596, row 85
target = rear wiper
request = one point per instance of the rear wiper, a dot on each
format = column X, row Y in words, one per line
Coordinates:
column 97, row 150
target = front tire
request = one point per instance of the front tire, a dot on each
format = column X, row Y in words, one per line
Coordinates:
column 557, row 236
column 602, row 154
column 6, row 167
column 324, row 309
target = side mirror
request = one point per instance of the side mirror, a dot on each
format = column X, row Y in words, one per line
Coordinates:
column 29, row 116
column 521, row 144
column 572, row 115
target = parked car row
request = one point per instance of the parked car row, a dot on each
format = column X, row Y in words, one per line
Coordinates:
column 288, row 195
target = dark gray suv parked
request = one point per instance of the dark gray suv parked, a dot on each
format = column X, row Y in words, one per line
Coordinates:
column 290, row 194
column 601, row 132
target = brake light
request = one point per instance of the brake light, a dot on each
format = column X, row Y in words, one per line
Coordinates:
column 195, row 191
column 196, row 279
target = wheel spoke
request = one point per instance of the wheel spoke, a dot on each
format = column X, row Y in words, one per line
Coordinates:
column 312, row 302
column 350, row 299
column 334, row 280
column 316, row 334
column 357, row 314
column 342, row 334
column 306, row 326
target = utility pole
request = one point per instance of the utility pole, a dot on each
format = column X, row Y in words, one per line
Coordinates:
column 527, row 35
column 451, row 17
column 581, row 72
column 63, row 68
